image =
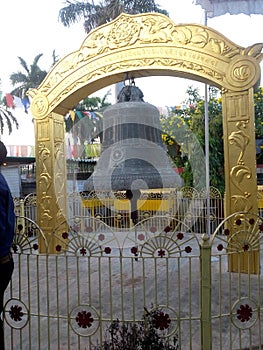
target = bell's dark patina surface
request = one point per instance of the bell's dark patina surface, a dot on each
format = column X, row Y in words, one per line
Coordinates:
column 133, row 156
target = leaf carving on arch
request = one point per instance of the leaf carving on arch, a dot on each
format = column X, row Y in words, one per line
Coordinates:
column 241, row 140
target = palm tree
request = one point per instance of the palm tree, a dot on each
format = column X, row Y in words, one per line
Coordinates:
column 103, row 12
column 6, row 116
column 30, row 78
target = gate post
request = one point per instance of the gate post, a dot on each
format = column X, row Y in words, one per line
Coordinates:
column 240, row 168
column 205, row 291
column 51, row 178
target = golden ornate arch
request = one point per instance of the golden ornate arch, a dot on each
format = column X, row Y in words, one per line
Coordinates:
column 148, row 45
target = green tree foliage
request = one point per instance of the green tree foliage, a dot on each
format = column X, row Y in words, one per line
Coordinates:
column 7, row 118
column 103, row 12
column 258, row 103
column 192, row 118
column 30, row 77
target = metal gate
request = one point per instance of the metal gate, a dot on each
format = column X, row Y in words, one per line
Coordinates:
column 167, row 286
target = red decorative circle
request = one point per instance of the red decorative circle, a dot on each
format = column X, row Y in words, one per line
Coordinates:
column 220, row 247
column 107, row 250
column 180, row 235
column 188, row 249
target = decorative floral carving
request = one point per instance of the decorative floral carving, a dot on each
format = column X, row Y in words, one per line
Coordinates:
column 124, row 32
column 84, row 319
column 161, row 253
column 244, row 313
column 161, row 320
column 156, row 31
column 45, row 180
column 242, row 72
column 39, row 106
column 241, row 140
column 16, row 313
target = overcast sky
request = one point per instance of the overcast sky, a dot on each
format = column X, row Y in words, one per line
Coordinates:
column 31, row 27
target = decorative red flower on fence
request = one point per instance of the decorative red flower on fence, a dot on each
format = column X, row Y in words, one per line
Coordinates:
column 84, row 319
column 65, row 235
column 167, row 229
column 226, row 231
column 261, row 227
column 83, row 251
column 76, row 228
column 153, row 229
column 220, row 247
column 188, row 249
column 141, row 237
column 238, row 222
column 107, row 250
column 180, row 235
column 134, row 250
column 30, row 233
column 252, row 221
column 16, row 313
column 161, row 320
column 244, row 313
column 35, row 246
column 101, row 237
column 246, row 247
column 161, row 253
column 89, row 229
column 58, row 248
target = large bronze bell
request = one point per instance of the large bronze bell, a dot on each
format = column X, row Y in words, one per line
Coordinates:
column 133, row 156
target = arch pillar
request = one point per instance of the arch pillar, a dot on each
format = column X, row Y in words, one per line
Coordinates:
column 51, row 179
column 240, row 167
column 239, row 151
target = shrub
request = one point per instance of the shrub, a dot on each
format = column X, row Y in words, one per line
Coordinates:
column 142, row 335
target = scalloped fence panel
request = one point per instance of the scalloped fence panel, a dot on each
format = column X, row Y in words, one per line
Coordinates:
column 158, row 281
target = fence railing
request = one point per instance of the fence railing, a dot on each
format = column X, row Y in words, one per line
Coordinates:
column 166, row 285
column 114, row 209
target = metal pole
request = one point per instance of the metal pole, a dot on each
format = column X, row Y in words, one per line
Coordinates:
column 206, row 289
column 208, row 228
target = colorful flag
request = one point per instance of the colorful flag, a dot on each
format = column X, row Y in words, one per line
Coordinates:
column 72, row 115
column 26, row 103
column 9, row 100
column 18, row 102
